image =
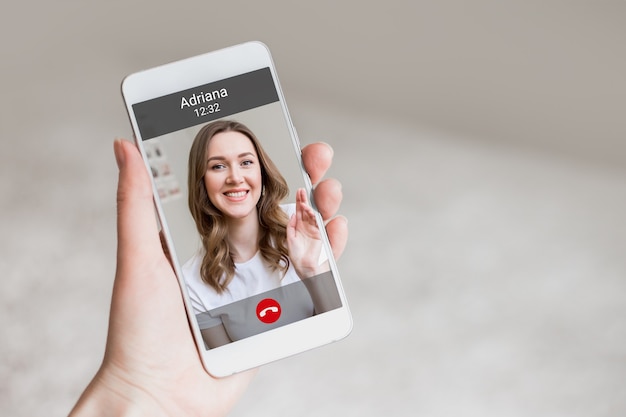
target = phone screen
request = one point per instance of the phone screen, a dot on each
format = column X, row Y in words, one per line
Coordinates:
column 226, row 169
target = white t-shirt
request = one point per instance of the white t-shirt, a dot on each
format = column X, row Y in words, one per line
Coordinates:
column 251, row 277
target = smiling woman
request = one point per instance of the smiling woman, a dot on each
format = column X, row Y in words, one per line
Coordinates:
column 251, row 244
column 226, row 159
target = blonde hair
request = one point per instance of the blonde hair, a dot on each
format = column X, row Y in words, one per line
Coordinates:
column 217, row 267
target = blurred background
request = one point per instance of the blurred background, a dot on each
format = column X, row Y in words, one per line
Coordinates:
column 481, row 147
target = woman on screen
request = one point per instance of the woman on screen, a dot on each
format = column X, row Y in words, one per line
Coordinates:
column 252, row 246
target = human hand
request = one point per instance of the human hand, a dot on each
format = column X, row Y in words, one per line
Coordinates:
column 151, row 365
column 304, row 240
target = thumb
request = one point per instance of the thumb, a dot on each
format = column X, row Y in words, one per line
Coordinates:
column 137, row 229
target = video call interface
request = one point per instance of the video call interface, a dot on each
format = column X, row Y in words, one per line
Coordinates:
column 255, row 295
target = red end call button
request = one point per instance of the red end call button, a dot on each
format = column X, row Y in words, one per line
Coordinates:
column 268, row 310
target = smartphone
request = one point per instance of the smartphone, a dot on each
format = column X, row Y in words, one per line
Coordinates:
column 234, row 204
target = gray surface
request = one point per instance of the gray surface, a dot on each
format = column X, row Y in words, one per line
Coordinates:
column 485, row 267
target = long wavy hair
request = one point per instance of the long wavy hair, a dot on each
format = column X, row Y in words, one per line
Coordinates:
column 217, row 267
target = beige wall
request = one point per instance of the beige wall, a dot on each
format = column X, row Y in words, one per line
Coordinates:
column 536, row 74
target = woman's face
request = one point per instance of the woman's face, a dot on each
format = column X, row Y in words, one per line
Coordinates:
column 233, row 177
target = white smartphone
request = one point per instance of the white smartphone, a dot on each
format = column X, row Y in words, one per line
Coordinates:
column 250, row 251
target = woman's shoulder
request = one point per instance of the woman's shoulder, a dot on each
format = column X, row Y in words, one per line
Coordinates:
column 205, row 297
column 191, row 268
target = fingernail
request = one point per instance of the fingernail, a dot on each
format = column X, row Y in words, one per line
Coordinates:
column 330, row 148
column 119, row 152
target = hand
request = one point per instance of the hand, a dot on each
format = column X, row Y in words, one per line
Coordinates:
column 151, row 366
column 304, row 240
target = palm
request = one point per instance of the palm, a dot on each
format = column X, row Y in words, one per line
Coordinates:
column 170, row 372
column 303, row 238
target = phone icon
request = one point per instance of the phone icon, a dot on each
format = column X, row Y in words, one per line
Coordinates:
column 268, row 310
column 263, row 312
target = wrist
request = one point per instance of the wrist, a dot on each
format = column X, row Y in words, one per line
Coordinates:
column 312, row 271
column 108, row 395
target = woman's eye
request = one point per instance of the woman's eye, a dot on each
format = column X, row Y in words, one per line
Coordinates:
column 246, row 163
column 217, row 167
